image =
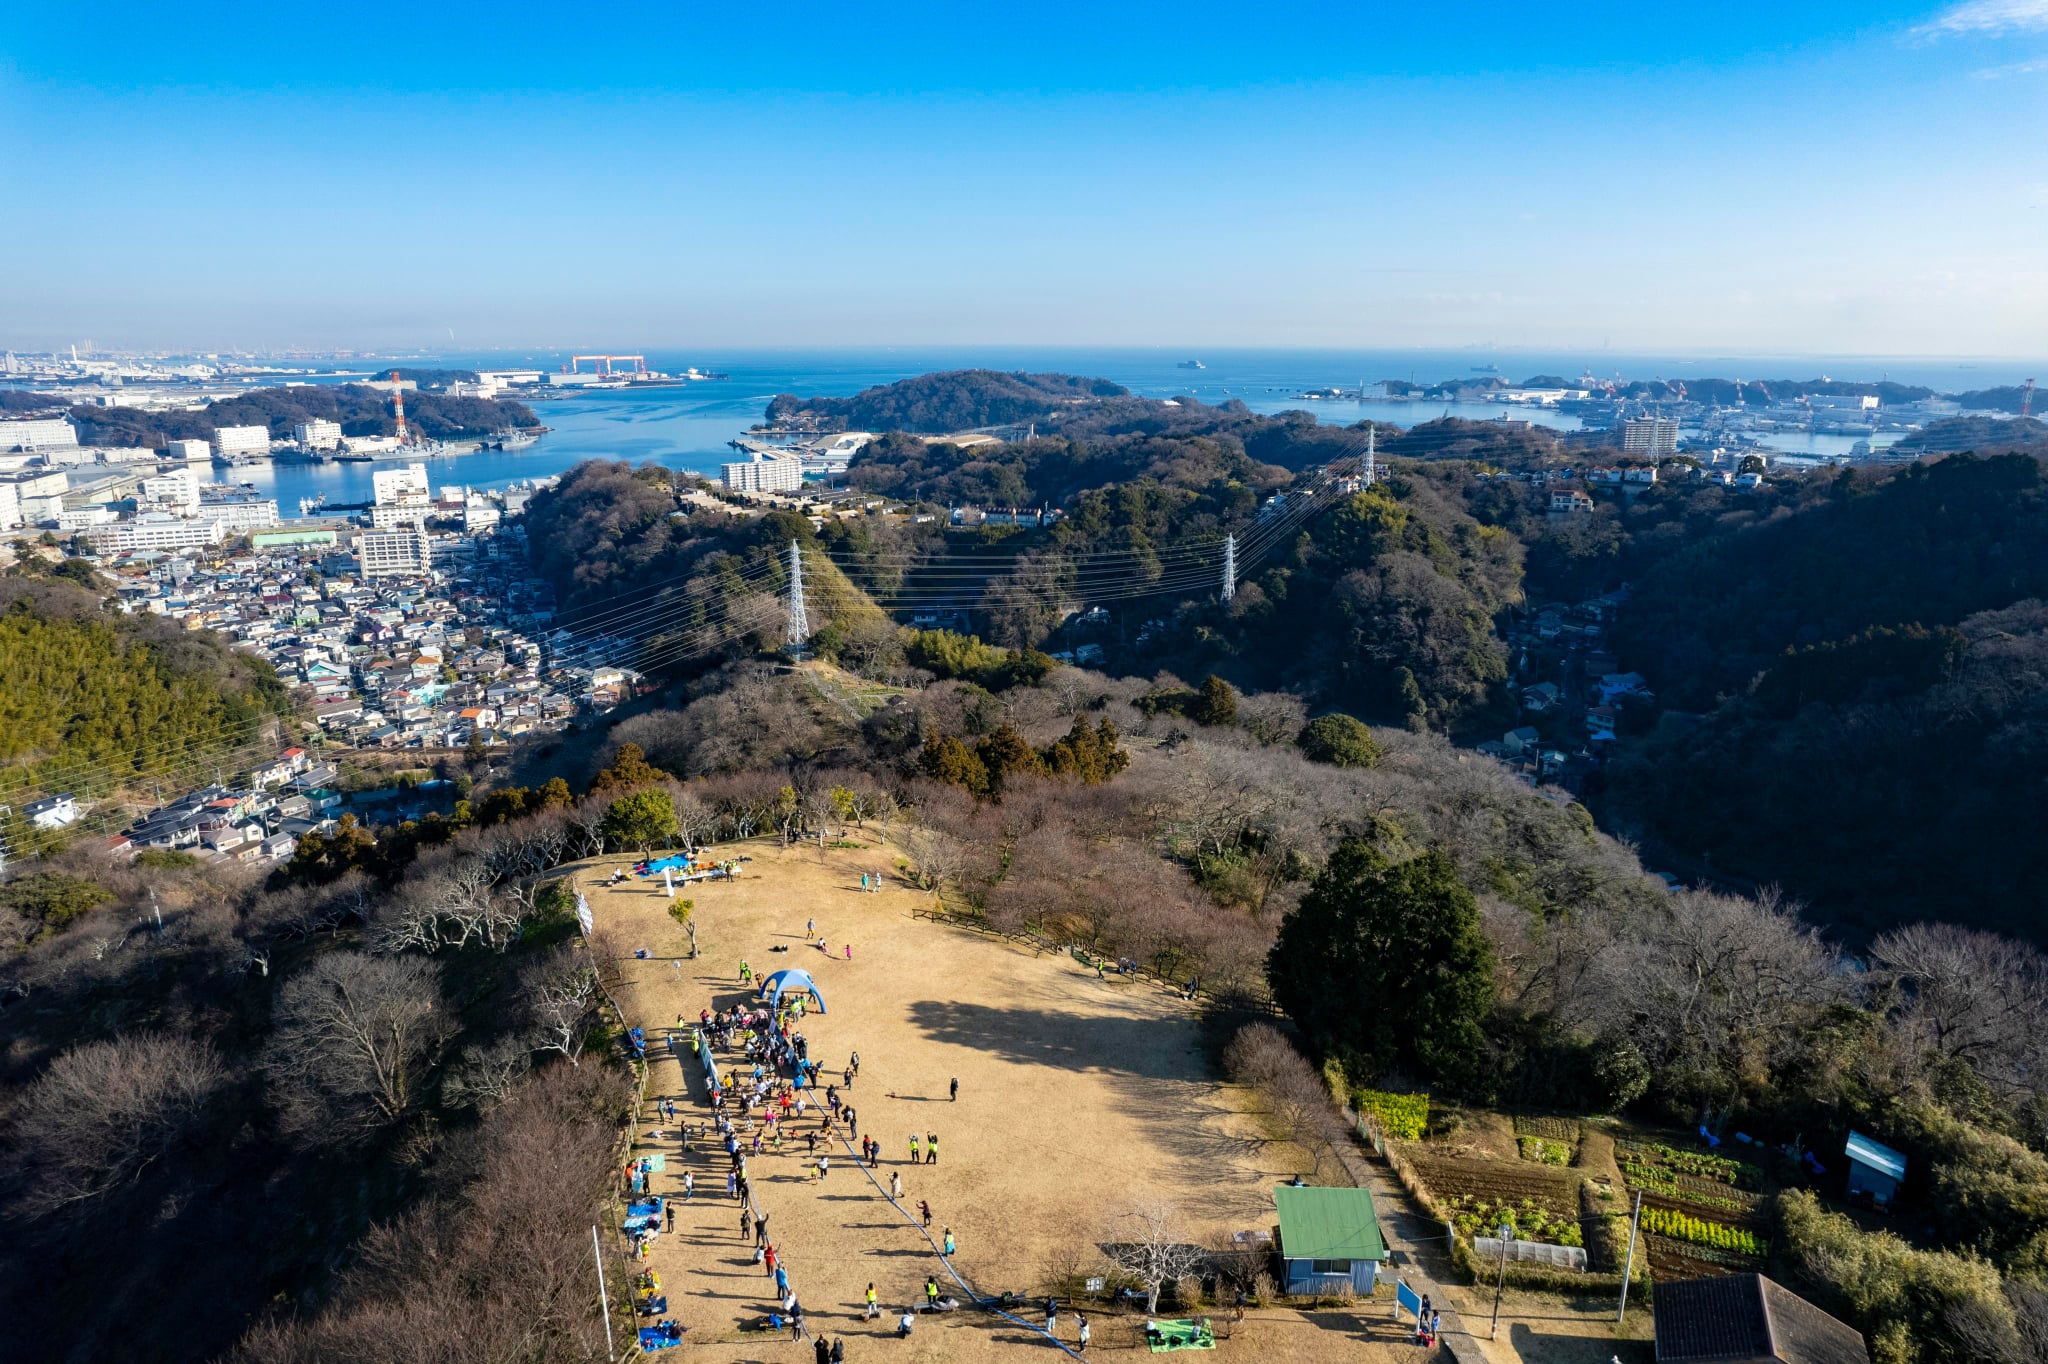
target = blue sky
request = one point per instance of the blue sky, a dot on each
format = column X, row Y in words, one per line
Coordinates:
column 1784, row 177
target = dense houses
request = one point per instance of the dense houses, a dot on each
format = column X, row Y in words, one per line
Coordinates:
column 462, row 655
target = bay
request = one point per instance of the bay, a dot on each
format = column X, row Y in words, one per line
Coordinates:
column 689, row 426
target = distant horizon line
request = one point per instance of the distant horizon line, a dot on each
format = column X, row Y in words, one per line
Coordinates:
column 1190, row 351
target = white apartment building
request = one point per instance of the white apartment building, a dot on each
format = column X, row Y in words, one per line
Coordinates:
column 174, row 492
column 400, row 487
column 44, row 433
column 241, row 513
column 400, row 553
column 242, row 440
column 763, row 475
column 390, row 515
column 10, row 507
column 318, row 434
column 156, row 530
column 189, row 451
column 76, row 519
column 1649, row 436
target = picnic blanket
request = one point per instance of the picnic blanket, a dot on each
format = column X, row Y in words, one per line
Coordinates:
column 1180, row 1335
column 656, row 868
column 662, row 1337
column 640, row 1215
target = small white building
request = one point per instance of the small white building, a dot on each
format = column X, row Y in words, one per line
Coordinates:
column 188, row 451
column 405, row 484
column 318, row 434
column 58, row 812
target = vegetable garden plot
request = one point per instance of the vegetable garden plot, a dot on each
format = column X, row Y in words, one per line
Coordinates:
column 1541, row 1204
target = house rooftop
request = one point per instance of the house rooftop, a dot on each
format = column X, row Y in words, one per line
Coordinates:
column 1865, row 1151
column 1748, row 1319
column 1328, row 1224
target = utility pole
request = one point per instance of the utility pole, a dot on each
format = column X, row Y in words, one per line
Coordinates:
column 799, row 631
column 1229, row 567
column 1493, row 1332
column 1628, row 1267
column 604, row 1300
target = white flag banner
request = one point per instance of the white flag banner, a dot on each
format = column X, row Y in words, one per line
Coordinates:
column 668, row 882
column 583, row 915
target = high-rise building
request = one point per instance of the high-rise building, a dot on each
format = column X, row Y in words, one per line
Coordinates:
column 39, row 433
column 242, row 440
column 403, row 552
column 1649, row 436
column 763, row 475
column 318, row 434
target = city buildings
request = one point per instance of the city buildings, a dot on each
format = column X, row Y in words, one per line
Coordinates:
column 189, row 451
column 1653, row 436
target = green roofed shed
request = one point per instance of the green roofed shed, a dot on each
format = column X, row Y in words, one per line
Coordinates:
column 1329, row 1239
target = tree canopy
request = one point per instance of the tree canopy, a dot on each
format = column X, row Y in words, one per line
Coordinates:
column 1383, row 965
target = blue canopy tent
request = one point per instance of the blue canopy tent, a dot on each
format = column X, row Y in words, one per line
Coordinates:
column 775, row 986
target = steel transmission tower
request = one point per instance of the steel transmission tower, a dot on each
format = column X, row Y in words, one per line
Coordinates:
column 1229, row 567
column 1372, row 462
column 799, row 632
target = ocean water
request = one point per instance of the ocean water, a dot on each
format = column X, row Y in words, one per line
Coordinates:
column 690, row 427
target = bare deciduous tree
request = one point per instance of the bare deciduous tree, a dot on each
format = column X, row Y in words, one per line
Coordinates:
column 1155, row 1248
column 1970, row 997
column 561, row 993
column 105, row 1112
column 353, row 1038
column 487, row 1074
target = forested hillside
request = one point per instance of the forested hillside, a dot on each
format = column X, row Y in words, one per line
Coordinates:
column 361, row 411
column 1929, row 545
column 957, row 400
column 92, row 693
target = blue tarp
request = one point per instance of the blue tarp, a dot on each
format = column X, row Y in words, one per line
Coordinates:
column 656, row 868
column 662, row 1337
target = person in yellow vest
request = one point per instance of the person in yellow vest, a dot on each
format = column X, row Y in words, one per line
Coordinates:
column 874, row 1310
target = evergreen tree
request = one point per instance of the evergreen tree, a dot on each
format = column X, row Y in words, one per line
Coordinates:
column 1383, row 965
column 1215, row 703
column 640, row 819
column 1339, row 740
column 629, row 770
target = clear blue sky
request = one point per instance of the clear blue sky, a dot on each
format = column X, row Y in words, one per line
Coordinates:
column 1786, row 176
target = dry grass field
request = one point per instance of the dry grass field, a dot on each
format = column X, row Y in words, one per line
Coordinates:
column 1079, row 1098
